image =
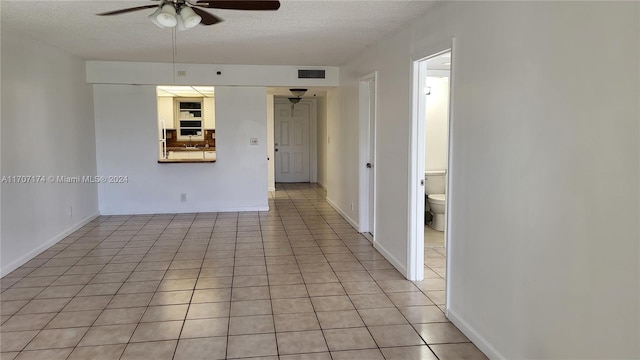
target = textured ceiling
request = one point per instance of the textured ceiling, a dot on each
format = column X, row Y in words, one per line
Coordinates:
column 300, row 33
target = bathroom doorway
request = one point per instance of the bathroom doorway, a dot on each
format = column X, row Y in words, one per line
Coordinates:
column 436, row 96
column 430, row 170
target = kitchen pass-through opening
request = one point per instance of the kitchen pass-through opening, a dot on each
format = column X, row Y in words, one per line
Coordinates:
column 186, row 124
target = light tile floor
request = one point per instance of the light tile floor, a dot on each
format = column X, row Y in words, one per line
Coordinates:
column 435, row 271
column 297, row 282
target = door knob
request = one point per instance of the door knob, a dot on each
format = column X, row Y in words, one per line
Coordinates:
column 276, row 150
column 369, row 166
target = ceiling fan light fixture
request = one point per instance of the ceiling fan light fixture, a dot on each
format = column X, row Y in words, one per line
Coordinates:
column 186, row 14
column 154, row 18
column 189, row 17
column 167, row 16
column 294, row 100
column 180, row 26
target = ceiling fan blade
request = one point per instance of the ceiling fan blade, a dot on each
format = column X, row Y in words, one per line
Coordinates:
column 240, row 4
column 123, row 11
column 207, row 18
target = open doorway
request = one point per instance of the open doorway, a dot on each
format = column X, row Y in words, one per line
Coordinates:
column 430, row 169
column 367, row 171
column 436, row 139
column 296, row 135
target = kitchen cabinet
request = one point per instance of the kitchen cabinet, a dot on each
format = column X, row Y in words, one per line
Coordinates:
column 209, row 113
column 196, row 155
column 177, row 155
column 189, row 118
column 191, row 154
column 210, row 155
column 165, row 113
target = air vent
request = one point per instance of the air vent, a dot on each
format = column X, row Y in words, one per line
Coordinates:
column 311, row 74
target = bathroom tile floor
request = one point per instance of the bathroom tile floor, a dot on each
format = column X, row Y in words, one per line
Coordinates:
column 296, row 282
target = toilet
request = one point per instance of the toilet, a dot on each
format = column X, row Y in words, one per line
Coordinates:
column 435, row 189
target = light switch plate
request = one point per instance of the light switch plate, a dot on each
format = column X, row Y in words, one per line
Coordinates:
column 254, row 141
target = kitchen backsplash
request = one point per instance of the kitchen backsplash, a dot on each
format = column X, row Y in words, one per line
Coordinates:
column 209, row 135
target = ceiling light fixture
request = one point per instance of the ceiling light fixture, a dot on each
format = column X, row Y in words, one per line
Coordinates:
column 298, row 93
column 298, row 96
column 175, row 14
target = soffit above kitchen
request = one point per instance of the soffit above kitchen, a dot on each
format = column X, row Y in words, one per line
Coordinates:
column 185, row 91
column 314, row 33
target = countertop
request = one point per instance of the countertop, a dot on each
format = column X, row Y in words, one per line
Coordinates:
column 182, row 148
column 170, row 161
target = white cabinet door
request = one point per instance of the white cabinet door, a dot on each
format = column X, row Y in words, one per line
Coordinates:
column 209, row 113
column 210, row 155
column 181, row 155
column 188, row 155
column 165, row 112
column 196, row 155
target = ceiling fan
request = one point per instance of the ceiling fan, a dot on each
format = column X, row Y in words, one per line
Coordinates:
column 185, row 14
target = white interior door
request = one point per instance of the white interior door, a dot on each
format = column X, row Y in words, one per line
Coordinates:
column 367, row 173
column 292, row 143
column 372, row 155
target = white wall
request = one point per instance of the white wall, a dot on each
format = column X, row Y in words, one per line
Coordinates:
column 342, row 160
column 127, row 140
column 544, row 177
column 437, row 124
column 392, row 143
column 47, row 130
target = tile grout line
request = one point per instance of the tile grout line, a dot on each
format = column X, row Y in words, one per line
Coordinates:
column 303, row 210
column 24, row 348
column 193, row 292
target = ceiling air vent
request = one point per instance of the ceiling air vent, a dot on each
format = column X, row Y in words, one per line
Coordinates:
column 311, row 74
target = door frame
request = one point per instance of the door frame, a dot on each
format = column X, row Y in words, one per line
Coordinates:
column 415, row 248
column 313, row 136
column 367, row 153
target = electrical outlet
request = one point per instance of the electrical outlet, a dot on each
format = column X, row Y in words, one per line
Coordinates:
column 181, row 73
column 183, row 197
column 351, row 206
column 70, row 211
column 254, row 141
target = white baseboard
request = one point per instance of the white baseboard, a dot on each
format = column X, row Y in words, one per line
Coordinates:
column 35, row 252
column 271, row 188
column 322, row 185
column 390, row 258
column 187, row 211
column 397, row 264
column 477, row 339
column 344, row 215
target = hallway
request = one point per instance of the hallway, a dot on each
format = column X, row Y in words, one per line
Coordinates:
column 297, row 282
